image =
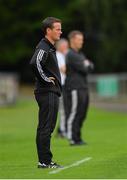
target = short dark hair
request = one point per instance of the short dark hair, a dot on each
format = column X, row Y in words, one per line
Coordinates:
column 48, row 23
column 74, row 33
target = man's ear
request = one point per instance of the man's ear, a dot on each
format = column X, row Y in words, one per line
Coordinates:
column 48, row 30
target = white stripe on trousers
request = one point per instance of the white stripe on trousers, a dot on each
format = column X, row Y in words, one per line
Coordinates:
column 73, row 112
column 62, row 115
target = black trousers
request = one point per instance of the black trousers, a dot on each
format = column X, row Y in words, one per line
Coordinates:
column 76, row 107
column 48, row 108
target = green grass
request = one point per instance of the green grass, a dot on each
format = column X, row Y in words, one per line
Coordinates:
column 105, row 132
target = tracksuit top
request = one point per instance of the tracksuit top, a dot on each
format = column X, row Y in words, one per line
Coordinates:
column 76, row 70
column 44, row 65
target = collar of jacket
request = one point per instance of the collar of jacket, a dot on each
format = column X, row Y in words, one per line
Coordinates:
column 49, row 43
column 78, row 51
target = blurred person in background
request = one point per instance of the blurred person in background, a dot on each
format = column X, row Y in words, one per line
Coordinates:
column 47, row 90
column 76, row 85
column 62, row 48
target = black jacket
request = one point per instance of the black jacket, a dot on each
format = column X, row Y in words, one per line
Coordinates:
column 76, row 70
column 44, row 65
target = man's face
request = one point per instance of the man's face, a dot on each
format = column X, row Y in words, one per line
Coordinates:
column 77, row 41
column 55, row 32
column 63, row 48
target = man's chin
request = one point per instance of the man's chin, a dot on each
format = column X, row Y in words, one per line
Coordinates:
column 58, row 38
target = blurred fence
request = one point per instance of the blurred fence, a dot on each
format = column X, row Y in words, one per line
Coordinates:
column 8, row 88
column 108, row 87
column 103, row 88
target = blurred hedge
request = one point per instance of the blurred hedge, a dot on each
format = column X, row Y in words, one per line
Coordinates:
column 104, row 23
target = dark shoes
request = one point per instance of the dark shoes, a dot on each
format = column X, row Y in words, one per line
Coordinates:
column 51, row 165
column 77, row 143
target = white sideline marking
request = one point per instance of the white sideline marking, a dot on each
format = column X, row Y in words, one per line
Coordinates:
column 77, row 163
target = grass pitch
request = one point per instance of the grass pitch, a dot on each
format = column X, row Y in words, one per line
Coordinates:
column 105, row 133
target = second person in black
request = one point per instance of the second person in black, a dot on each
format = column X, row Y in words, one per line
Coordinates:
column 77, row 96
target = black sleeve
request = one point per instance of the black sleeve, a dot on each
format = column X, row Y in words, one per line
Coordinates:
column 38, row 62
column 77, row 62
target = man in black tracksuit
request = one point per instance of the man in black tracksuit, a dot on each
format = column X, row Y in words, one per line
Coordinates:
column 77, row 98
column 47, row 89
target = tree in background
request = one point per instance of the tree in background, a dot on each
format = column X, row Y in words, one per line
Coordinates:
column 104, row 23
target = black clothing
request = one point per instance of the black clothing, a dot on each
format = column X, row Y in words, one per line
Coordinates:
column 76, row 112
column 48, row 108
column 77, row 97
column 44, row 65
column 76, row 73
